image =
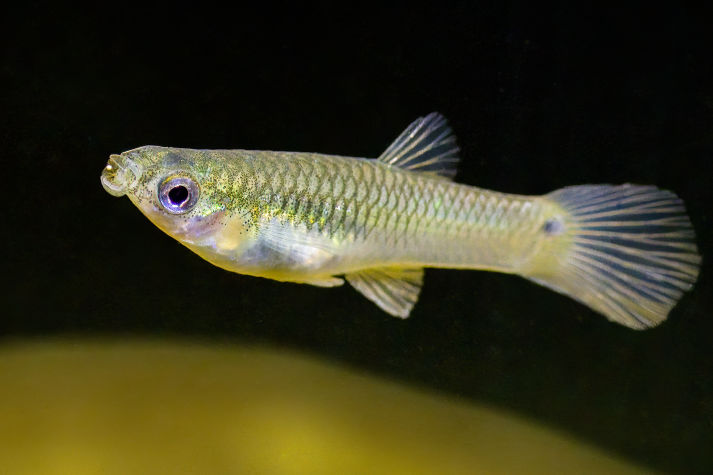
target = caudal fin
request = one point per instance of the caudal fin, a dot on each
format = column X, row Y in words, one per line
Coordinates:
column 626, row 251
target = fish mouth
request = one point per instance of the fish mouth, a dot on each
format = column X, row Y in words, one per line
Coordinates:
column 119, row 174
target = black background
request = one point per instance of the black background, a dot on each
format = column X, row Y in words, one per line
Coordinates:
column 540, row 98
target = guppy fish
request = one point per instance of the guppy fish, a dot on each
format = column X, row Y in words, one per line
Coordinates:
column 626, row 251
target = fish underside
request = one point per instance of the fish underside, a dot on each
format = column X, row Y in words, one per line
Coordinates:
column 626, row 251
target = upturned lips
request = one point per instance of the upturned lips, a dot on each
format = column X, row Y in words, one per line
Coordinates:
column 119, row 174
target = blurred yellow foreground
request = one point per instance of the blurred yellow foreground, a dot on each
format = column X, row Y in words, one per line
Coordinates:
column 78, row 407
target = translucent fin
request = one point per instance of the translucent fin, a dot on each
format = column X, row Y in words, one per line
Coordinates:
column 427, row 145
column 324, row 282
column 296, row 244
column 290, row 253
column 626, row 251
column 394, row 290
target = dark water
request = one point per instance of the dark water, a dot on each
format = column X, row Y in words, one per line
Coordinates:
column 539, row 97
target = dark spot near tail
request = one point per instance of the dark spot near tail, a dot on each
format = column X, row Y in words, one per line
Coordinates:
column 553, row 227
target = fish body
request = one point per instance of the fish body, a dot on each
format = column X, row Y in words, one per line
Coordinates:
column 627, row 251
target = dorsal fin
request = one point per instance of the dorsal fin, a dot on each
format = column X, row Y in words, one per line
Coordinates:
column 427, row 145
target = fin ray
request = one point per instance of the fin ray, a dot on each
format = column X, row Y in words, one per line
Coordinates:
column 627, row 251
column 427, row 145
column 394, row 290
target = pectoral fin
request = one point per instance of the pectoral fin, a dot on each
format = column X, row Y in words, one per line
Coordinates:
column 394, row 290
column 294, row 246
column 324, row 282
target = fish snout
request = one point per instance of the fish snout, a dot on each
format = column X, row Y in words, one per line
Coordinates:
column 119, row 174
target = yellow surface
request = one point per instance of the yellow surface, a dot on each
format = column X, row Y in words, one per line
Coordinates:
column 85, row 407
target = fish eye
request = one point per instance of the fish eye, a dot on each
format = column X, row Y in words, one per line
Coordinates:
column 178, row 195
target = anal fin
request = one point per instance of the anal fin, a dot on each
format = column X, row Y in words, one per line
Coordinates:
column 395, row 290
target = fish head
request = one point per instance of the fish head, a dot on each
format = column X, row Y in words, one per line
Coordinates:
column 168, row 185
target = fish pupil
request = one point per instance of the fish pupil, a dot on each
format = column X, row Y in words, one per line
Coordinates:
column 178, row 195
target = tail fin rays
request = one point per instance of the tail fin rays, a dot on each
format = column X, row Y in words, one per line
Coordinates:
column 626, row 251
